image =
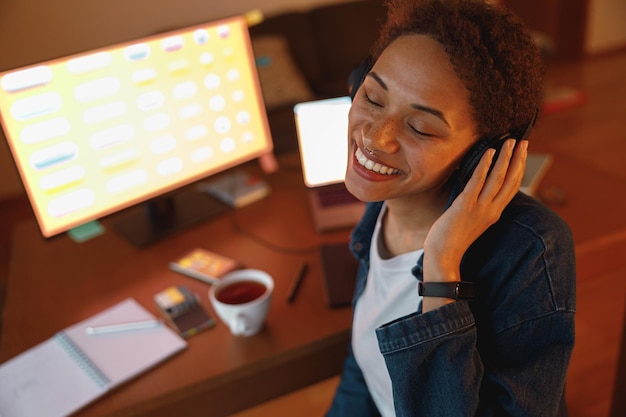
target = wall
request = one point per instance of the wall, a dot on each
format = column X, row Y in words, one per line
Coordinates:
column 561, row 21
column 606, row 30
column 32, row 31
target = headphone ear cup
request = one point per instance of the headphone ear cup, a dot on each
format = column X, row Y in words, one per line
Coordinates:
column 472, row 158
column 525, row 133
column 470, row 161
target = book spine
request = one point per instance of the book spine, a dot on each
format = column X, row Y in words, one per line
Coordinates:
column 83, row 360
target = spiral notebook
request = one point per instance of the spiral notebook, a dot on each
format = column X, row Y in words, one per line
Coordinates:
column 73, row 368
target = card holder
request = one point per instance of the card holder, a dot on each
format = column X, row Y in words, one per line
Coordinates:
column 181, row 308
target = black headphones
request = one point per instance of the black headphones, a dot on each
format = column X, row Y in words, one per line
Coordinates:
column 472, row 158
column 358, row 74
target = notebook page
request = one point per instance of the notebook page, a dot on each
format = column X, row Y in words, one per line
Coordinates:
column 123, row 355
column 45, row 381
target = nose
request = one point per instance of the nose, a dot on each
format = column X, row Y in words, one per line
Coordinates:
column 381, row 135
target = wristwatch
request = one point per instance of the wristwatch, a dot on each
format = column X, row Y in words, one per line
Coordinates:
column 458, row 290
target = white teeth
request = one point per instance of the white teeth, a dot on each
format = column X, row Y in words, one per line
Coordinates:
column 374, row 166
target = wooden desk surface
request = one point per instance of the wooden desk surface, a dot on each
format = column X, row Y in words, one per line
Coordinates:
column 55, row 283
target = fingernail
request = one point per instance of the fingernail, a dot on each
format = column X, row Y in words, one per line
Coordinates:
column 511, row 143
column 524, row 145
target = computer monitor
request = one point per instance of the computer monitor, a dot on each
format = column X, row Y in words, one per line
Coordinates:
column 100, row 131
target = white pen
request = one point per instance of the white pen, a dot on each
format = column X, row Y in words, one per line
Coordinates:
column 123, row 327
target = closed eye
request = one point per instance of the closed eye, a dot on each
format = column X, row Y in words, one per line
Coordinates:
column 369, row 100
column 420, row 133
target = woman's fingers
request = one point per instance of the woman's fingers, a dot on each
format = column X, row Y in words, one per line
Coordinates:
column 517, row 165
column 505, row 178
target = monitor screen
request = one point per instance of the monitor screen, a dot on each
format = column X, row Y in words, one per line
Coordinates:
column 100, row 131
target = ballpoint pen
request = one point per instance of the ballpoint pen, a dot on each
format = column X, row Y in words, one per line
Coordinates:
column 293, row 291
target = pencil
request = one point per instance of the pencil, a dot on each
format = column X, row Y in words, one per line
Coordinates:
column 295, row 285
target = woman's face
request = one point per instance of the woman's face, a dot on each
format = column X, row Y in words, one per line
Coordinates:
column 410, row 123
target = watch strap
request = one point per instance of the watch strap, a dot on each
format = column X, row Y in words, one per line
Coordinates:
column 458, row 290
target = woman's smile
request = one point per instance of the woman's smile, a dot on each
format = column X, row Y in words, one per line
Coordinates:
column 370, row 165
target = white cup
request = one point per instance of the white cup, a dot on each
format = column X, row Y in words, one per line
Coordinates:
column 240, row 301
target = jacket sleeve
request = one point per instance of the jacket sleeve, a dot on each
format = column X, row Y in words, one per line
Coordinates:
column 505, row 353
column 438, row 371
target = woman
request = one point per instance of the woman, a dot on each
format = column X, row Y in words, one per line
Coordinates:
column 490, row 330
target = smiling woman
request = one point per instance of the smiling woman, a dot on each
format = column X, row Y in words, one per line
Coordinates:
column 465, row 297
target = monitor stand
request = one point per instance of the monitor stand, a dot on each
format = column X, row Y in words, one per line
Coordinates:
column 155, row 219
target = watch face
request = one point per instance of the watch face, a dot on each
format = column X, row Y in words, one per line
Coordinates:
column 457, row 291
column 466, row 290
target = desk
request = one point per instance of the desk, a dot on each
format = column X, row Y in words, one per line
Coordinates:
column 55, row 283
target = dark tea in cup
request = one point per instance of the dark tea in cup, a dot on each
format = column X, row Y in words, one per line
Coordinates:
column 242, row 300
column 240, row 292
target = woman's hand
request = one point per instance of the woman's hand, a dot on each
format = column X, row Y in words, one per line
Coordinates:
column 479, row 205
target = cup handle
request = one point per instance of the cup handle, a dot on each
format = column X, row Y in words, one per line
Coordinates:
column 238, row 325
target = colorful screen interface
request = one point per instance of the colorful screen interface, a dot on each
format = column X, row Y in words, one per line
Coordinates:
column 96, row 132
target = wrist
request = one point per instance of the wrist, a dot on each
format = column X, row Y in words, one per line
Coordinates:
column 432, row 303
column 438, row 274
column 437, row 269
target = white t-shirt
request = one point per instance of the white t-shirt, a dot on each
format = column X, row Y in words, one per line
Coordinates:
column 390, row 293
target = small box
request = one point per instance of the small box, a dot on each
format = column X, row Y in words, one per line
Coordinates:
column 181, row 308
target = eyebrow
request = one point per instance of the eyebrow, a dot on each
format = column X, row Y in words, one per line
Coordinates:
column 416, row 106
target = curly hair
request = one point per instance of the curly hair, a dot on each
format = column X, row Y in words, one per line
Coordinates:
column 490, row 50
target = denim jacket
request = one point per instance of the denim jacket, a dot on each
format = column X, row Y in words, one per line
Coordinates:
column 506, row 352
